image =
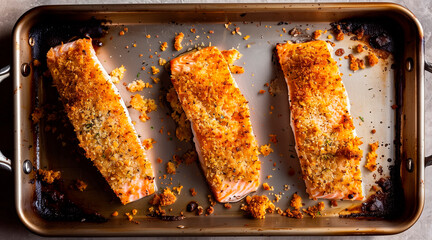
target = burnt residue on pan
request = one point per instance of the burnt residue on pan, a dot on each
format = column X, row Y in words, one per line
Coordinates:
column 53, row 205
column 50, row 200
column 381, row 36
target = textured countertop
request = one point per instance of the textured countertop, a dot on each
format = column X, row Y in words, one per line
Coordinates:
column 11, row 10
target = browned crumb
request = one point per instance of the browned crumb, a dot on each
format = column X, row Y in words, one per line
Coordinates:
column 162, row 61
column 315, row 210
column 293, row 214
column 37, row 115
column 164, row 199
column 267, row 187
column 338, row 32
column 211, row 31
column 117, row 74
column 354, row 63
column 361, row 63
column 273, row 137
column 134, row 211
column 193, row 30
column 80, row 185
column 209, row 210
column 121, row 33
column 155, row 70
column 178, row 189
column 211, row 201
column 246, row 37
column 164, row 46
column 200, row 210
column 329, row 36
column 317, row 34
column 359, row 48
column 333, row 203
column 258, row 206
column 394, row 106
column 227, row 206
column 155, row 79
column 48, row 176
column 266, row 149
column 143, row 105
column 171, row 168
column 137, row 85
column 371, row 157
column 159, row 160
column 269, row 176
column 148, row 36
column 373, row 131
column 193, row 192
column 148, row 143
column 114, row 214
column 294, row 32
column 296, row 202
column 372, row 59
column 177, row 41
column 261, row 91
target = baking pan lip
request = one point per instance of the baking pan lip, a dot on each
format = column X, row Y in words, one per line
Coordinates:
column 17, row 34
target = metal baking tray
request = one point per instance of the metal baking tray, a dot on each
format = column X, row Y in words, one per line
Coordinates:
column 372, row 92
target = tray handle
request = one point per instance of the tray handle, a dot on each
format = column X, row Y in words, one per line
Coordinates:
column 428, row 67
column 5, row 163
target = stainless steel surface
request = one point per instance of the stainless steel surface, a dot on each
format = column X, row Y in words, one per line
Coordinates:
column 5, row 163
column 4, row 73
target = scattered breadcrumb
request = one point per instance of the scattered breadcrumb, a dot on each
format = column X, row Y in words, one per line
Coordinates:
column 258, row 206
column 231, row 55
column 372, row 59
column 227, row 206
column 178, row 189
column 315, row 210
column 359, row 48
column 373, row 131
column 266, row 149
column 193, row 30
column 114, row 214
column 333, row 203
column 267, row 187
column 273, row 137
column 155, row 70
column 190, row 156
column 37, row 115
column 137, row 85
column 317, row 34
column 164, row 46
column 371, row 157
column 134, row 211
column 296, row 201
column 261, row 91
column 293, row 214
column 246, row 37
column 148, row 36
column 329, row 36
column 171, row 168
column 200, row 210
column 148, row 143
column 155, row 79
column 355, row 63
column 162, row 61
column 159, row 160
column 338, row 32
column 121, row 33
column 48, row 176
column 164, row 199
column 209, row 210
column 177, row 41
column 117, row 74
column 236, row 69
column 193, row 192
column 80, row 185
column 144, row 106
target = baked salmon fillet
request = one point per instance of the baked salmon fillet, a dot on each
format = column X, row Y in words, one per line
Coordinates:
column 100, row 119
column 220, row 118
column 326, row 142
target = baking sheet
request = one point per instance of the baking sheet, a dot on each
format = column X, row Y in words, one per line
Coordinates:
column 371, row 93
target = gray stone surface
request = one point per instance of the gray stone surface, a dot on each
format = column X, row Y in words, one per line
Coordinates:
column 11, row 10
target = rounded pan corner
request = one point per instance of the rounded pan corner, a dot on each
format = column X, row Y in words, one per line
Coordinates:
column 31, row 226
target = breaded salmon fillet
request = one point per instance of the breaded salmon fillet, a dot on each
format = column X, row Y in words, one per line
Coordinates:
column 326, row 142
column 100, row 119
column 220, row 118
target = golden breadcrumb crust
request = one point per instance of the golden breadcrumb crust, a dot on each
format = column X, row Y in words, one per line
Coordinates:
column 258, row 206
column 326, row 144
column 371, row 157
column 100, row 121
column 219, row 114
